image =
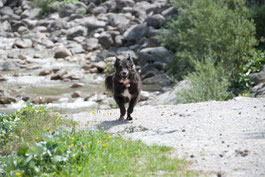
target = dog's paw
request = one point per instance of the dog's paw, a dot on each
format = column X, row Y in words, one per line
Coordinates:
column 121, row 118
column 129, row 118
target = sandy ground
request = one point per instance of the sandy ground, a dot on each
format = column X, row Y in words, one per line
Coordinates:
column 220, row 138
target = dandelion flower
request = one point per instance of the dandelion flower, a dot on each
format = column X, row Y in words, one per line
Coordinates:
column 18, row 174
column 93, row 112
column 104, row 145
column 56, row 112
column 23, row 130
column 73, row 138
column 84, row 146
column 3, row 134
column 57, row 119
column 99, row 142
column 108, row 112
column 40, row 110
column 37, row 138
column 109, row 137
column 48, row 128
column 72, row 144
column 61, row 118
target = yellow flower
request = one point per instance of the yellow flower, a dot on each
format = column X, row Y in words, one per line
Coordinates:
column 72, row 144
column 104, row 145
column 73, row 138
column 37, row 138
column 57, row 119
column 40, row 110
column 23, row 130
column 56, row 112
column 108, row 112
column 18, row 174
column 3, row 134
column 84, row 146
column 48, row 128
column 61, row 118
column 93, row 112
column 109, row 137
column 99, row 141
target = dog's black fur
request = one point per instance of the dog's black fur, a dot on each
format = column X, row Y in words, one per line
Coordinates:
column 125, row 84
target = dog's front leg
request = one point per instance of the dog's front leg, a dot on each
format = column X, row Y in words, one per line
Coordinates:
column 132, row 103
column 120, row 103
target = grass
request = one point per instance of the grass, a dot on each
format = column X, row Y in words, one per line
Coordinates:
column 37, row 145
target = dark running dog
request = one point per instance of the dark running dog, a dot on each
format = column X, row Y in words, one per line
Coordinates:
column 125, row 84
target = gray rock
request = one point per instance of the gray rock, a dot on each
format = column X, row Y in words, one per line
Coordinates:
column 91, row 44
column 169, row 13
column 76, row 94
column 59, row 75
column 118, row 20
column 61, row 52
column 47, row 43
column 152, row 54
column 22, row 43
column 156, row 21
column 258, row 90
column 6, row 99
column 72, row 9
column 136, row 32
column 45, row 73
column 99, row 10
column 101, row 66
column 124, row 3
column 6, row 10
column 75, row 48
column 92, row 23
column 170, row 96
column 5, row 27
column 156, row 83
column 76, row 31
column 77, row 85
column 258, row 77
column 110, row 5
column 106, row 40
column 149, row 70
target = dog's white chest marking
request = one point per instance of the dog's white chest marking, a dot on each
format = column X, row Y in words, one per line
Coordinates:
column 126, row 94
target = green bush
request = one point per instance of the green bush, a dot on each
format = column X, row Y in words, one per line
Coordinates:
column 253, row 65
column 202, row 27
column 207, row 82
column 257, row 12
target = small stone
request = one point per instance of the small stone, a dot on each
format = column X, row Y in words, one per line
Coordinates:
column 77, row 85
column 76, row 94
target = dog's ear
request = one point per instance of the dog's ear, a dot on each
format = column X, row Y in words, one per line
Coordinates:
column 117, row 62
column 130, row 59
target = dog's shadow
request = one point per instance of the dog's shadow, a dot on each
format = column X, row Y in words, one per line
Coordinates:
column 108, row 124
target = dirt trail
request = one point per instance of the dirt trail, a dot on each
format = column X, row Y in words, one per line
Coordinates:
column 223, row 137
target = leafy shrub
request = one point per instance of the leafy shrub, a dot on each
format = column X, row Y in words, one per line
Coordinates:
column 253, row 65
column 207, row 82
column 26, row 125
column 257, row 12
column 44, row 5
column 202, row 27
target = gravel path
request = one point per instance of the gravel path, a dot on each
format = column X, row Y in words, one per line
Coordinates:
column 224, row 138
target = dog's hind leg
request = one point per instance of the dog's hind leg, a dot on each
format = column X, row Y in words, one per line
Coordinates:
column 132, row 103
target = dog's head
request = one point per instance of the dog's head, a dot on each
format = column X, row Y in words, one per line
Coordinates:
column 124, row 68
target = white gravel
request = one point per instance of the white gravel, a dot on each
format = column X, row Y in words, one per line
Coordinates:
column 224, row 138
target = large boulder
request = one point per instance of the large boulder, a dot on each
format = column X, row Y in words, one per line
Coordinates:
column 105, row 39
column 135, row 32
column 118, row 20
column 155, row 21
column 22, row 43
column 76, row 31
column 91, row 44
column 124, row 3
column 61, row 52
column 92, row 23
column 259, row 81
column 153, row 54
column 156, row 83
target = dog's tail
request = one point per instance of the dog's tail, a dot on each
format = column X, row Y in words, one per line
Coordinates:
column 109, row 82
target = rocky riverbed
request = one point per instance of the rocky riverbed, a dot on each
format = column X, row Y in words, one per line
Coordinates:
column 59, row 59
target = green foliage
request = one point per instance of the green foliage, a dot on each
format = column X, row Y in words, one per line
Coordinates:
column 63, row 153
column 207, row 82
column 109, row 66
column 26, row 125
column 257, row 12
column 253, row 65
column 216, row 27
